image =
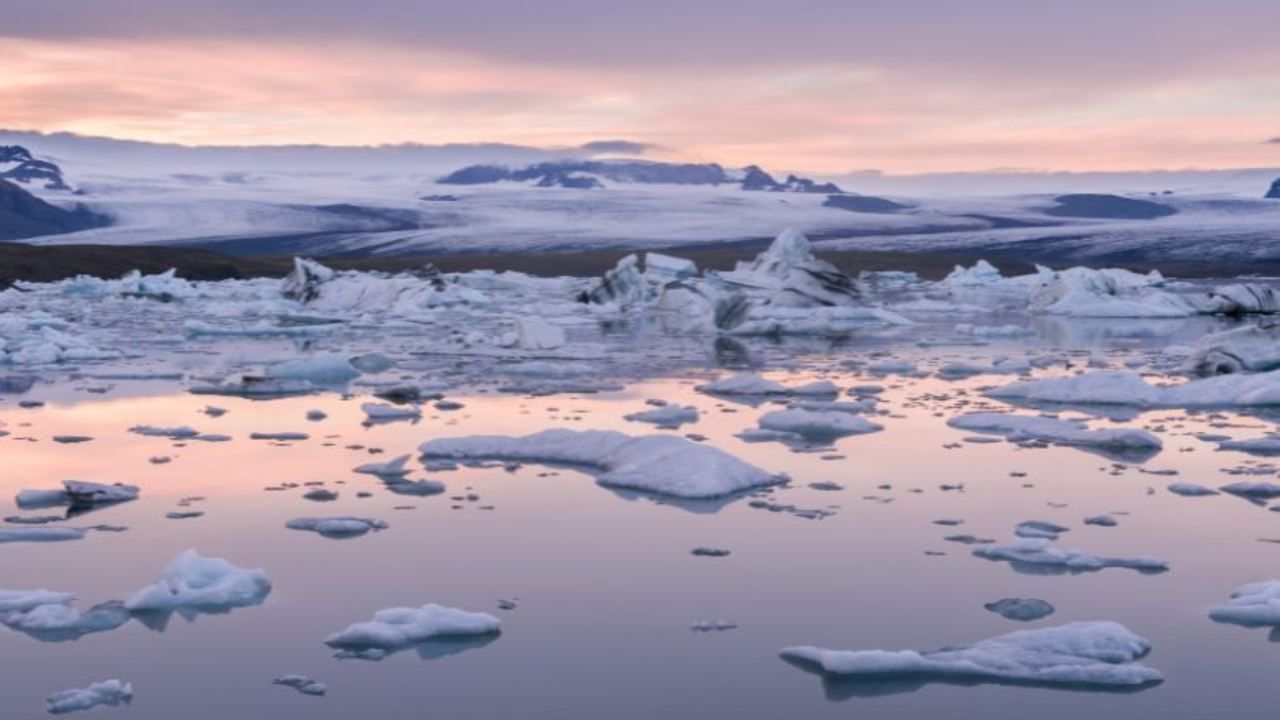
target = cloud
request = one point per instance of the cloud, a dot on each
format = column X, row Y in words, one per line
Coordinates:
column 617, row 147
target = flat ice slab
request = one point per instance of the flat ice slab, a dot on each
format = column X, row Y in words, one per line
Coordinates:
column 661, row 464
column 1075, row 654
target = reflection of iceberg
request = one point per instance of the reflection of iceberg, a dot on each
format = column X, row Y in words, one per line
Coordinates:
column 57, row 621
column 1080, row 655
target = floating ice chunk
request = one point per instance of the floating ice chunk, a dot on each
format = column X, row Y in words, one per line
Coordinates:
column 1254, row 348
column 1076, row 654
column 892, row 367
column 1003, row 366
column 40, row 534
column 667, row 416
column 1036, row 555
column 817, row 425
column 1187, row 489
column 256, row 386
column 1267, row 446
column 752, row 384
column 793, row 277
column 302, row 684
column 24, row 600
column 665, row 268
column 394, row 629
column 58, row 621
column 981, row 274
column 662, row 464
column 1039, row 529
column 175, row 433
column 1126, row 388
column 110, row 693
column 303, row 284
column 384, row 412
column 337, row 527
column 1101, row 521
column 1253, row 605
column 279, row 436
column 38, row 499
column 419, row 488
column 394, row 467
column 1243, row 299
column 1064, row 432
column 535, row 333
column 1021, row 609
column 1106, row 293
column 199, row 583
column 322, row 369
column 84, row 493
column 1258, row 492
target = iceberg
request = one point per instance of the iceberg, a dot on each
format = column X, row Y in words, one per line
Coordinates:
column 109, row 693
column 1080, row 654
column 660, row 464
column 1037, row 556
column 398, row 628
column 202, row 584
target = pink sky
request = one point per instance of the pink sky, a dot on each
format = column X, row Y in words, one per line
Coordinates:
column 819, row 86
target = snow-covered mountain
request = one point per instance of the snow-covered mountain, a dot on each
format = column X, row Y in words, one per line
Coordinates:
column 413, row 200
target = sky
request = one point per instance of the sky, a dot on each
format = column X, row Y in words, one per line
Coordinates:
column 826, row 86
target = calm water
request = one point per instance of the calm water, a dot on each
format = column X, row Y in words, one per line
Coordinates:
column 605, row 584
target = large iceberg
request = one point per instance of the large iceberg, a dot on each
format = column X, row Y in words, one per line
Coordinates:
column 1076, row 654
column 661, row 464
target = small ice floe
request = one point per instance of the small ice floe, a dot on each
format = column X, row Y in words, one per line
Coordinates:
column 256, row 386
column 1079, row 654
column 1256, row 492
column 1039, row 529
column 193, row 582
column 667, row 416
column 302, row 684
column 662, row 464
column 71, row 439
column 337, row 527
column 279, row 436
column 400, row 628
column 1128, row 388
column 1018, row 428
column 415, row 488
column 1253, row 605
column 184, row 515
column 109, row 693
column 316, row 415
column 751, row 384
column 1036, row 556
column 180, row 432
column 1101, row 521
column 89, row 494
column 1021, row 609
column 1187, row 489
column 212, row 437
column 320, row 495
column 709, row 552
column 49, row 616
column 812, row 425
column 382, row 412
column 393, row 468
column 706, row 626
column 40, row 534
column 1266, row 446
